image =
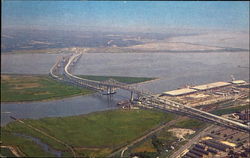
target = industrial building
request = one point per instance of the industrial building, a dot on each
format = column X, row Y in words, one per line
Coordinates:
column 238, row 82
column 220, row 142
column 185, row 91
column 179, row 92
column 211, row 86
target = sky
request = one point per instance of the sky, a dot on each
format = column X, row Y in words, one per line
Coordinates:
column 125, row 15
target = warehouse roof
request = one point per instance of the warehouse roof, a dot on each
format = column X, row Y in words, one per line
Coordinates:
column 180, row 91
column 238, row 81
column 211, row 85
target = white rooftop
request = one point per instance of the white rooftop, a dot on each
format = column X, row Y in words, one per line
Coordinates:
column 211, row 85
column 180, row 91
column 238, row 81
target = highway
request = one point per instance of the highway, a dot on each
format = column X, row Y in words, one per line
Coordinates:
column 124, row 149
column 147, row 99
column 157, row 102
column 192, row 141
column 98, row 85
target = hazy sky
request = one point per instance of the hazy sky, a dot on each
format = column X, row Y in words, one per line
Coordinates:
column 126, row 15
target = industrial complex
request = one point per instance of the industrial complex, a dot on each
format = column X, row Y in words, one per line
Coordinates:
column 220, row 142
column 217, row 142
column 192, row 101
column 203, row 87
column 209, row 93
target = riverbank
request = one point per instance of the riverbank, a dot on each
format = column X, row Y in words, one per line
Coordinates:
column 36, row 51
column 120, row 50
column 32, row 88
column 95, row 134
column 26, row 88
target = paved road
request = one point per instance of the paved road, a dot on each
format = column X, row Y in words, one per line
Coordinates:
column 123, row 149
column 14, row 150
column 192, row 141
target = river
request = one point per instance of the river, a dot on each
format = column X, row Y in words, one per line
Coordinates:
column 174, row 70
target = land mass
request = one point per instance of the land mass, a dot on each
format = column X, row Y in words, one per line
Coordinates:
column 96, row 134
column 20, row 88
column 42, row 41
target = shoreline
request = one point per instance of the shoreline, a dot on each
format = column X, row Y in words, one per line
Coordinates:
column 45, row 100
column 66, row 97
column 140, row 51
column 171, row 52
column 149, row 81
column 82, row 114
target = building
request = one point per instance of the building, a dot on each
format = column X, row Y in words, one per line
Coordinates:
column 244, row 115
column 211, row 86
column 238, row 82
column 179, row 92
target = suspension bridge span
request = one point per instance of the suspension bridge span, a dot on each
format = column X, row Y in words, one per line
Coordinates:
column 62, row 71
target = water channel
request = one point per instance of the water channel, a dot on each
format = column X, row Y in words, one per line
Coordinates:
column 44, row 146
column 174, row 70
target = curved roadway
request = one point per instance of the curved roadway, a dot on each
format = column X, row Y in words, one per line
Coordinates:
column 149, row 99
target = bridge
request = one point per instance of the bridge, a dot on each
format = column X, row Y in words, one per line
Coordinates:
column 107, row 86
column 145, row 99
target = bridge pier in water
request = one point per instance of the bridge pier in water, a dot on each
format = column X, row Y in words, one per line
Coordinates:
column 110, row 90
column 150, row 101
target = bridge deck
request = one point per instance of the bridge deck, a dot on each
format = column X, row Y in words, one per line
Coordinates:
column 146, row 98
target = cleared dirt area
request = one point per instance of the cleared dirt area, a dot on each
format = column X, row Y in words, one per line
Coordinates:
column 87, row 148
column 174, row 46
column 26, row 85
column 181, row 132
column 147, row 146
column 5, row 77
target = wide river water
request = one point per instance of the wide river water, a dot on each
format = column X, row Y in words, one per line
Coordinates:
column 174, row 70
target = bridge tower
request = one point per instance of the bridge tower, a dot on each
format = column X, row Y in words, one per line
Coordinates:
column 108, row 85
column 131, row 96
column 110, row 90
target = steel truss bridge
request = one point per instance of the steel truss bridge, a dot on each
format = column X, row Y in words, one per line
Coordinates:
column 63, row 66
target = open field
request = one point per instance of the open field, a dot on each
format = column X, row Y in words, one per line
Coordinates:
column 190, row 123
column 145, row 146
column 95, row 134
column 27, row 147
column 163, row 140
column 17, row 88
column 173, row 46
column 50, row 50
column 45, row 50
